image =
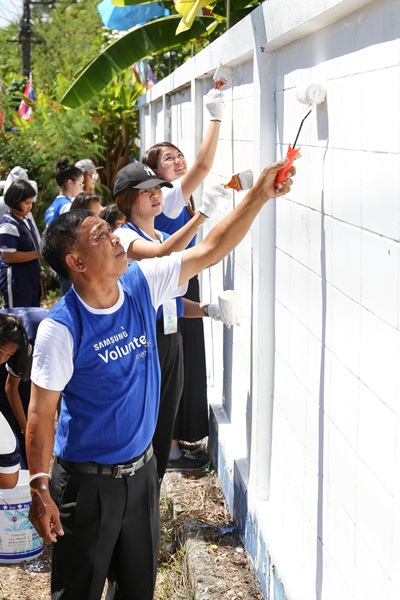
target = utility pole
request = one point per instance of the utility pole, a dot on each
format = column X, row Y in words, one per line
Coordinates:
column 25, row 38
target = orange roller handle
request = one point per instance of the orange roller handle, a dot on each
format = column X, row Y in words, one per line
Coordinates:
column 291, row 155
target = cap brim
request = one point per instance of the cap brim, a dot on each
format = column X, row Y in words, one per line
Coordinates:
column 151, row 183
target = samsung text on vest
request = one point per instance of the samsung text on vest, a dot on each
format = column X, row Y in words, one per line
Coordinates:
column 118, row 352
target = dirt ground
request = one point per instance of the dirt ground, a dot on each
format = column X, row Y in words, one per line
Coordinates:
column 182, row 499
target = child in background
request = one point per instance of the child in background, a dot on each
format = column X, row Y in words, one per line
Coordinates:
column 15, row 357
column 20, row 251
column 88, row 201
column 15, row 385
column 113, row 216
column 9, row 456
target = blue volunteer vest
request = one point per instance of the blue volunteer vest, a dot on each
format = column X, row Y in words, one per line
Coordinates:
column 54, row 209
column 109, row 407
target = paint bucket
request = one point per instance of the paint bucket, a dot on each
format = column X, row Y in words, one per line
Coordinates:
column 19, row 540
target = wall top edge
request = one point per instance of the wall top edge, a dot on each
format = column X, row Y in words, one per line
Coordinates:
column 273, row 24
column 302, row 18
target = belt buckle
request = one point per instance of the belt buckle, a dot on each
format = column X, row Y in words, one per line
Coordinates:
column 124, row 470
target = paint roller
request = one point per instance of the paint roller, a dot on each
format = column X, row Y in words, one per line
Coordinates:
column 311, row 95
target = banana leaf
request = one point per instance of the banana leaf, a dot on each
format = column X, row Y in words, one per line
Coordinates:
column 152, row 38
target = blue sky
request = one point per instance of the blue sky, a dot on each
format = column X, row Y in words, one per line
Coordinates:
column 10, row 10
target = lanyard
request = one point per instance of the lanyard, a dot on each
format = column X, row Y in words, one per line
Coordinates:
column 142, row 233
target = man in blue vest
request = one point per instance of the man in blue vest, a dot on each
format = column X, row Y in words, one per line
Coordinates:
column 97, row 348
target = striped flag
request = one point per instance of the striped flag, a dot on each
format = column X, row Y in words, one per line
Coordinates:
column 25, row 111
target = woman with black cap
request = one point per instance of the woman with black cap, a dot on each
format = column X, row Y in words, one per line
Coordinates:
column 138, row 195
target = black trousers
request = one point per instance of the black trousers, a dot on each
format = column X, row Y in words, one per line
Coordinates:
column 191, row 423
column 111, row 530
column 170, row 355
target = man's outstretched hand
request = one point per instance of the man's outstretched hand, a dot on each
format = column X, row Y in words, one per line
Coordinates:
column 266, row 186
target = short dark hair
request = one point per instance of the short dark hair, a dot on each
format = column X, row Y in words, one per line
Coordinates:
column 65, row 171
column 152, row 155
column 12, row 330
column 18, row 191
column 84, row 200
column 125, row 200
column 60, row 237
column 111, row 214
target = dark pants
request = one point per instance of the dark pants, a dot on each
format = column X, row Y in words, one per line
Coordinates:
column 170, row 355
column 111, row 530
column 191, row 423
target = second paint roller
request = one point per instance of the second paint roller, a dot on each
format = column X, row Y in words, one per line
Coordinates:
column 311, row 95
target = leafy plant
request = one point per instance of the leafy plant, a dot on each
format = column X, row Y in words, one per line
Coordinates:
column 137, row 44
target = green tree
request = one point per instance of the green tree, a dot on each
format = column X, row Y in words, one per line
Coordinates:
column 104, row 130
column 69, row 34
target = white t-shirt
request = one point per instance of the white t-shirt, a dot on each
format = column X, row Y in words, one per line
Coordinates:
column 173, row 200
column 53, row 365
column 8, row 445
column 128, row 235
column 66, row 208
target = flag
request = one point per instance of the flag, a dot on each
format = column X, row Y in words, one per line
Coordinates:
column 188, row 10
column 25, row 111
column 144, row 74
column 123, row 18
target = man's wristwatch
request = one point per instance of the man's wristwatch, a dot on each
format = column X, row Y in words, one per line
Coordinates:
column 205, row 309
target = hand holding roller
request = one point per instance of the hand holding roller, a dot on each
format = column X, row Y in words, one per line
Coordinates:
column 291, row 155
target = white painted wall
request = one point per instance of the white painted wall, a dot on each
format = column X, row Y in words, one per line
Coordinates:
column 308, row 424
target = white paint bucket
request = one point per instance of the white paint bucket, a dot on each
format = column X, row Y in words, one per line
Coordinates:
column 19, row 540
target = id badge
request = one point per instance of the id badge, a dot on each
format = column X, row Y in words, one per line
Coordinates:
column 170, row 317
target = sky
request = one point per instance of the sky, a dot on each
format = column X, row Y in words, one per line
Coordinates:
column 10, row 10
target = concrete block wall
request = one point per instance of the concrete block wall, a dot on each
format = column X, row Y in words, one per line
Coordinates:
column 305, row 393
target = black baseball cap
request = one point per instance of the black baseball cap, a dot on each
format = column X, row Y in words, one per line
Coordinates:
column 138, row 177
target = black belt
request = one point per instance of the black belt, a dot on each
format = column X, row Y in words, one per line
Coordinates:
column 125, row 470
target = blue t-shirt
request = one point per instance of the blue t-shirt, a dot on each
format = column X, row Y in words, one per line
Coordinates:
column 55, row 208
column 110, row 405
column 164, row 223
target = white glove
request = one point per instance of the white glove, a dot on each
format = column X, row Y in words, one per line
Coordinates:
column 214, row 312
column 212, row 195
column 214, row 102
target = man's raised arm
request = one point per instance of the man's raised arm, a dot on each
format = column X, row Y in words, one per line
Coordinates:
column 44, row 514
column 227, row 234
